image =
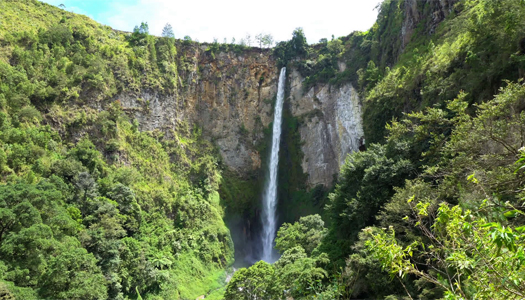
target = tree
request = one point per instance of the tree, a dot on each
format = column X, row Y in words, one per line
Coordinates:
column 22, row 205
column 474, row 258
column 298, row 42
column 307, row 233
column 167, row 31
column 73, row 274
column 142, row 29
column 256, row 282
column 128, row 206
column 335, row 46
column 248, row 40
column 473, row 250
column 102, row 238
column 139, row 34
column 296, row 47
column 87, row 186
column 368, row 77
column 259, row 39
column 267, row 40
column 366, row 183
column 33, row 224
column 242, row 42
column 298, row 272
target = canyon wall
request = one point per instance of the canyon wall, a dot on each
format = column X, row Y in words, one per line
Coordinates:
column 330, row 127
column 230, row 96
column 431, row 12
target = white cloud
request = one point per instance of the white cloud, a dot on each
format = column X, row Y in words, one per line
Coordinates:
column 207, row 19
column 79, row 11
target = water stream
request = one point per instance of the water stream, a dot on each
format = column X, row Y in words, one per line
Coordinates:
column 269, row 217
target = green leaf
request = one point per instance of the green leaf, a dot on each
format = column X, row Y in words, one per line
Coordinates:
column 511, row 214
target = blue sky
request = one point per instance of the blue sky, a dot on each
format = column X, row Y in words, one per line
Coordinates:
column 205, row 20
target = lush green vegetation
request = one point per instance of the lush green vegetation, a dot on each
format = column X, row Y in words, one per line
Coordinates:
column 90, row 207
column 75, row 223
column 476, row 48
column 297, row 199
column 295, row 271
column 93, row 208
column 434, row 207
column 447, row 222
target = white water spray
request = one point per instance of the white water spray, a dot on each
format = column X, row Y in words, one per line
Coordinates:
column 270, row 194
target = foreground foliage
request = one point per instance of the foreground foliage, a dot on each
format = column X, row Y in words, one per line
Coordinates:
column 454, row 230
column 433, row 209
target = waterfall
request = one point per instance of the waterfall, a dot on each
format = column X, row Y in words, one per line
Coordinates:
column 269, row 218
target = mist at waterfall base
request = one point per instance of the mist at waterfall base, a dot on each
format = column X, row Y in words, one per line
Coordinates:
column 253, row 235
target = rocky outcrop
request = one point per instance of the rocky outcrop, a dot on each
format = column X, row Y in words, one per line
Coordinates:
column 417, row 10
column 331, row 127
column 228, row 95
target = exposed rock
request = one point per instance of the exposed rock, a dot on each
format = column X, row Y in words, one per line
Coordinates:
column 414, row 14
column 229, row 96
column 331, row 127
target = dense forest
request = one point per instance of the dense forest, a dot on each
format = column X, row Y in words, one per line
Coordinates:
column 92, row 207
column 433, row 208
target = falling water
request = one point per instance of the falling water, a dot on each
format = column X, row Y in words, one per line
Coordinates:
column 270, row 194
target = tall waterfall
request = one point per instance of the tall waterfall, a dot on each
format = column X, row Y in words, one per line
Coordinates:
column 270, row 194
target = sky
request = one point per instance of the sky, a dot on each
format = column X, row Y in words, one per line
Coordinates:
column 206, row 20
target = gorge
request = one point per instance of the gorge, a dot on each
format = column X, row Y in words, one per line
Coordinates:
column 231, row 98
column 382, row 164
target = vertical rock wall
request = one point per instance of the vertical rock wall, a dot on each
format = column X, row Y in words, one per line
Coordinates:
column 331, row 127
column 415, row 12
column 230, row 96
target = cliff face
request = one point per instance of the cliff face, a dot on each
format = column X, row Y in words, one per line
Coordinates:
column 330, row 127
column 432, row 12
column 228, row 95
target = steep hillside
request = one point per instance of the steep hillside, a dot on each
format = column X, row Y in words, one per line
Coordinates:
column 91, row 207
column 131, row 166
column 433, row 207
column 169, row 122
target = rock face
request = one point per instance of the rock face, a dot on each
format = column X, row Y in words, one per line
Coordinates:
column 228, row 95
column 414, row 14
column 331, row 127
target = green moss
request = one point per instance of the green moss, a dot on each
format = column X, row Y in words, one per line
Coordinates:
column 240, row 196
column 295, row 200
